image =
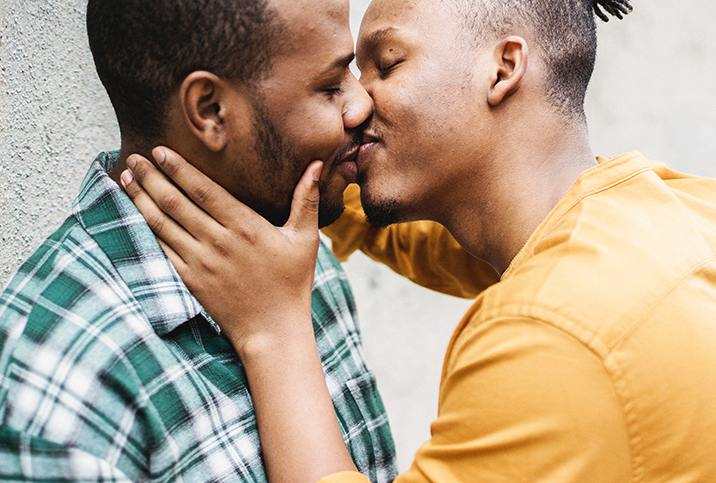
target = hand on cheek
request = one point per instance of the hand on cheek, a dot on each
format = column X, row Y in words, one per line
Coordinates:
column 250, row 276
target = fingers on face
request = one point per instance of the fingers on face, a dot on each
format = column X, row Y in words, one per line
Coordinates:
column 306, row 197
column 219, row 209
column 169, row 201
column 207, row 194
column 170, row 233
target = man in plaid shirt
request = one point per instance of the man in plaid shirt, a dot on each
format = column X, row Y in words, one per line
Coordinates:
column 110, row 370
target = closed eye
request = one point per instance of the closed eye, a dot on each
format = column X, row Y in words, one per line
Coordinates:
column 385, row 71
column 334, row 91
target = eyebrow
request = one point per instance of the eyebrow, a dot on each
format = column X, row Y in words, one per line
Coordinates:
column 341, row 64
column 374, row 38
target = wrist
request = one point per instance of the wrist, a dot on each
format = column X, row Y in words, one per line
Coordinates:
column 274, row 334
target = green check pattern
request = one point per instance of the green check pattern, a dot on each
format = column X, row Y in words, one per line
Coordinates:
column 110, row 370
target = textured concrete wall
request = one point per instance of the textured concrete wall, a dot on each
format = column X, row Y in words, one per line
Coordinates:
column 654, row 87
column 54, row 118
column 653, row 90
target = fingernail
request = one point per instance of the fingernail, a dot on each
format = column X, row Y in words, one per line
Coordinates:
column 160, row 155
column 317, row 173
column 126, row 177
column 131, row 162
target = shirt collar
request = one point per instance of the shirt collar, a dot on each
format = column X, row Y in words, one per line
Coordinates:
column 608, row 173
column 112, row 220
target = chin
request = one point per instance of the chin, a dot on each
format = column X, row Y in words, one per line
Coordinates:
column 382, row 213
column 272, row 212
column 276, row 218
column 379, row 211
column 329, row 212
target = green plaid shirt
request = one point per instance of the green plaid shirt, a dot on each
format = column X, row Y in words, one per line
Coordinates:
column 111, row 371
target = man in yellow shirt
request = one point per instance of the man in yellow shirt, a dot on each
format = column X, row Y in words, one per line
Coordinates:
column 592, row 359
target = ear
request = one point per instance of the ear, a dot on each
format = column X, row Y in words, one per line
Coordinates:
column 203, row 96
column 510, row 58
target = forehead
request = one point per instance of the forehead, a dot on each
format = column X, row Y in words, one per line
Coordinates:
column 421, row 18
column 391, row 14
column 316, row 48
column 308, row 23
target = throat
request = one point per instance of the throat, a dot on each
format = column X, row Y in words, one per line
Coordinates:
column 498, row 221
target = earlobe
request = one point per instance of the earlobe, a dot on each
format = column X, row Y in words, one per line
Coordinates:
column 202, row 97
column 510, row 57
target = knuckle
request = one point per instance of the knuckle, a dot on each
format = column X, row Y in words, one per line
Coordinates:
column 171, row 203
column 241, row 233
column 202, row 193
column 156, row 223
column 313, row 202
column 208, row 270
column 249, row 237
column 222, row 247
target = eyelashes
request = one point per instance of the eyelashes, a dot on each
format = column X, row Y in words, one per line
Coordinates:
column 334, row 91
column 385, row 71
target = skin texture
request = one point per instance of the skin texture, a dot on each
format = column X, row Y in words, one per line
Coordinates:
column 463, row 137
column 308, row 108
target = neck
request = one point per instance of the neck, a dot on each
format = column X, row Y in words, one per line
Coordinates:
column 494, row 215
column 128, row 148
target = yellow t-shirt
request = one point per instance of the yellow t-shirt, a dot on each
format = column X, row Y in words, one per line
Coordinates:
column 594, row 358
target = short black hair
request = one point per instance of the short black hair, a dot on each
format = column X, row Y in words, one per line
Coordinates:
column 144, row 49
column 564, row 30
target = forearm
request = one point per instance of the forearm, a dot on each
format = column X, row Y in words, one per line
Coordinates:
column 300, row 436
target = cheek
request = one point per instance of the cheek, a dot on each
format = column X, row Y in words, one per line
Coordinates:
column 401, row 104
column 401, row 118
column 317, row 133
column 332, row 132
column 419, row 117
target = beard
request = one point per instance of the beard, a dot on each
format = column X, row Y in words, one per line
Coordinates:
column 282, row 159
column 380, row 212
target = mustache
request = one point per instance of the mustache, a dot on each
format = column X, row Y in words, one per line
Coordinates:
column 373, row 132
column 354, row 143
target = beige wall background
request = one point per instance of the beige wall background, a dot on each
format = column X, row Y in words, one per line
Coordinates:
column 654, row 90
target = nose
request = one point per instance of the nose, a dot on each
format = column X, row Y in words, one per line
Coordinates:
column 358, row 104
